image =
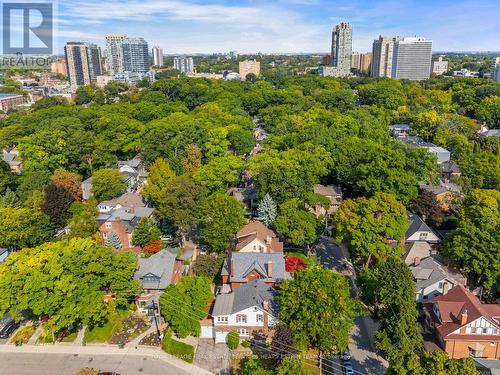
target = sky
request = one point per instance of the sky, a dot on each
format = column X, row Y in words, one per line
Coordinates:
column 279, row 26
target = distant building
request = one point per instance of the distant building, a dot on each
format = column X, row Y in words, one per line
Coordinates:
column 361, row 61
column 326, row 59
column 59, row 67
column 400, row 130
column 114, row 53
column 340, row 64
column 412, row 59
column 439, row 66
column 465, row 73
column 382, row 56
column 495, row 69
column 184, row 64
column 84, row 63
column 11, row 157
column 334, row 195
column 102, row 81
column 135, row 55
column 157, row 56
column 249, row 66
column 9, row 101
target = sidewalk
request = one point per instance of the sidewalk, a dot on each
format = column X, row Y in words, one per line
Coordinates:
column 106, row 350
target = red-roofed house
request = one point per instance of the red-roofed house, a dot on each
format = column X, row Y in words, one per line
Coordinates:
column 464, row 326
column 255, row 237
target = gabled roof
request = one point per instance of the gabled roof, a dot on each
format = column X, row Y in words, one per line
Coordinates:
column 429, row 272
column 417, row 249
column 453, row 304
column 129, row 200
column 328, row 190
column 160, row 265
column 416, row 225
column 243, row 263
column 450, row 167
column 256, row 230
column 254, row 293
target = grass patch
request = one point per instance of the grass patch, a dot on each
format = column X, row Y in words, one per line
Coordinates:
column 70, row 337
column 106, row 331
column 23, row 335
column 310, row 362
column 176, row 348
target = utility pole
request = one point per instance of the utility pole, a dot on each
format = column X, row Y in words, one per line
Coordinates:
column 155, row 309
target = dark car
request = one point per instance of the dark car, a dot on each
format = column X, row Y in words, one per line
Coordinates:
column 109, row 373
column 7, row 329
column 347, row 368
column 346, row 355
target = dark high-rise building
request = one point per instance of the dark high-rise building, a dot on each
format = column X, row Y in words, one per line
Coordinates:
column 84, row 63
column 135, row 55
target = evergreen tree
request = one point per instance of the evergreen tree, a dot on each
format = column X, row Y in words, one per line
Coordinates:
column 267, row 210
column 113, row 240
column 9, row 199
column 145, row 232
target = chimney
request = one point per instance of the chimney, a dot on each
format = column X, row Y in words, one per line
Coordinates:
column 265, row 305
column 231, row 273
column 463, row 318
column 268, row 240
column 270, row 268
column 423, row 218
column 416, row 261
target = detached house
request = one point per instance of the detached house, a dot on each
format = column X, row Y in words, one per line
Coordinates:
column 418, row 230
column 248, row 310
column 156, row 273
column 12, row 158
column 256, row 237
column 334, row 195
column 121, row 215
column 464, row 326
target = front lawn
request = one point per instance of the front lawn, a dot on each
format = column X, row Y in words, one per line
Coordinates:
column 105, row 332
column 130, row 327
column 176, row 348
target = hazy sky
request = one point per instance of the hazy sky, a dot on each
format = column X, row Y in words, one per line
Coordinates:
column 280, row 26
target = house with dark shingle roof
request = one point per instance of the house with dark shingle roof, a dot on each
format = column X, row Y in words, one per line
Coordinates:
column 463, row 325
column 156, row 273
column 418, row 230
column 249, row 309
column 450, row 170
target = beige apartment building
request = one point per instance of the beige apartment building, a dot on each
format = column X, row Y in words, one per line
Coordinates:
column 59, row 67
column 249, row 66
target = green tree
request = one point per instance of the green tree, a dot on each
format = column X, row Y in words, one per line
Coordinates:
column 113, row 240
column 367, row 224
column 253, row 366
column 184, row 304
column 427, row 206
column 208, row 265
column 145, row 231
column 107, row 184
column 23, row 227
column 267, row 210
column 291, row 365
column 222, row 216
column 233, row 340
column 65, row 282
column 325, row 315
column 298, row 225
column 159, row 177
column 489, row 111
column 192, row 160
column 9, row 199
column 220, row 173
column 83, row 221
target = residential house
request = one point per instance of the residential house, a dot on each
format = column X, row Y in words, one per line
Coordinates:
column 486, row 132
column 488, row 366
column 445, row 193
column 249, row 197
column 433, row 278
column 11, row 157
column 416, row 250
column 464, row 326
column 450, row 170
column 121, row 215
column 400, row 130
column 418, row 230
column 248, row 310
column 442, row 154
column 333, row 193
column 256, row 237
column 156, row 273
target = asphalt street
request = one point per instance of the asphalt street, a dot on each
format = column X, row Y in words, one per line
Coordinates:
column 69, row 364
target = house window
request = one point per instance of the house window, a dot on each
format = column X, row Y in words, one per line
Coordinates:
column 476, row 353
column 241, row 318
column 108, row 225
column 440, row 286
column 260, row 318
column 473, row 330
column 423, row 236
column 494, row 331
column 243, row 331
column 485, row 330
column 222, row 319
column 104, row 235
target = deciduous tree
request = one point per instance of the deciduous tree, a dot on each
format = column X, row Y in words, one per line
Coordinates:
column 107, row 184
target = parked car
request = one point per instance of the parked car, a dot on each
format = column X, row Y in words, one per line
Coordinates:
column 347, row 368
column 8, row 329
column 168, row 238
column 346, row 355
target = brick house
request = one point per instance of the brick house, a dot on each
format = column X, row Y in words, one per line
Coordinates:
column 463, row 325
column 121, row 215
column 248, row 310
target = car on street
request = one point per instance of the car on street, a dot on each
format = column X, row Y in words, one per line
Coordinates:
column 347, row 368
column 7, row 329
column 346, row 355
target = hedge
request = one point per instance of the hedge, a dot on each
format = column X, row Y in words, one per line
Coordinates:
column 177, row 348
column 233, row 340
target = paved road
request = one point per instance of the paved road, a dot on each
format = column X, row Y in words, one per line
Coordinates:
column 68, row 364
column 364, row 358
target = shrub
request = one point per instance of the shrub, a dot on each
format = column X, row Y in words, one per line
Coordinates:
column 177, row 348
column 233, row 340
column 294, row 263
column 152, row 247
column 246, row 344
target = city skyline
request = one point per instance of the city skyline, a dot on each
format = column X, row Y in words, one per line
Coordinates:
column 286, row 26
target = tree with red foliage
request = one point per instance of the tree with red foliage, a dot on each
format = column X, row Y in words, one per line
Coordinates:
column 294, row 263
column 152, row 247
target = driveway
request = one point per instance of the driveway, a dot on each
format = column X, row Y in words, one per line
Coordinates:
column 215, row 358
column 364, row 359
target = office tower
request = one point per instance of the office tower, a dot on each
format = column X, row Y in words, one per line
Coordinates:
column 83, row 62
column 157, row 56
column 59, row 67
column 412, row 59
column 114, row 53
column 439, row 66
column 135, row 55
column 495, row 69
column 382, row 55
column 249, row 66
column 184, row 64
column 342, row 48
